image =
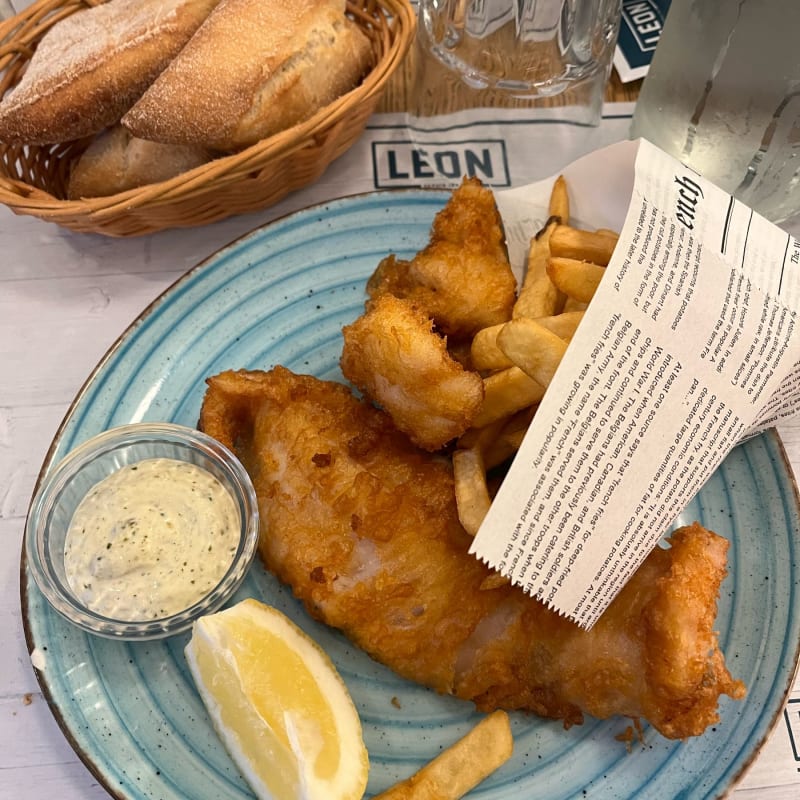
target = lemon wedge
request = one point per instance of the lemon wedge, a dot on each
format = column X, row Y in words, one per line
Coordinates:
column 278, row 705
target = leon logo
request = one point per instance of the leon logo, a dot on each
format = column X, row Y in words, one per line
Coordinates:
column 645, row 20
column 404, row 163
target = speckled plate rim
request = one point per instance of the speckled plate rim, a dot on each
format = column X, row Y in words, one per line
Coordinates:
column 771, row 440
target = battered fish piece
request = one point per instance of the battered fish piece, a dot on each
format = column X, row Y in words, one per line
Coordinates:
column 462, row 278
column 393, row 355
column 363, row 527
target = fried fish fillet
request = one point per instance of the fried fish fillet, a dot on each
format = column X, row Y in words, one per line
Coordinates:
column 363, row 527
column 462, row 278
column 393, row 355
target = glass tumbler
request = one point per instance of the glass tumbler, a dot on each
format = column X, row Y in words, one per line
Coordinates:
column 723, row 96
column 515, row 54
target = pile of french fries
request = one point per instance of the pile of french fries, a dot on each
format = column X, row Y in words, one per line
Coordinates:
column 518, row 358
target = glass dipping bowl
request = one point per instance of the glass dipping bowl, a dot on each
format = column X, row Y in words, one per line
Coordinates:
column 63, row 488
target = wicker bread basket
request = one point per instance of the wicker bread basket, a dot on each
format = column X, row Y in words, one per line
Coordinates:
column 33, row 179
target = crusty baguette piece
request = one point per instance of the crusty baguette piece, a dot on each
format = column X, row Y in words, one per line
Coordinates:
column 253, row 68
column 90, row 67
column 116, row 161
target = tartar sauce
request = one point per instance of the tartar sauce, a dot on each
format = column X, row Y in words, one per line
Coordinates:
column 151, row 539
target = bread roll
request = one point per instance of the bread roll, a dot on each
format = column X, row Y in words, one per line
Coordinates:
column 255, row 67
column 90, row 67
column 116, row 161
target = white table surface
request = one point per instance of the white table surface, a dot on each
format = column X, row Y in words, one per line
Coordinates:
column 64, row 299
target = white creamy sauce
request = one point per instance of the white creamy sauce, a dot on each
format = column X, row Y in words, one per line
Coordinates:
column 151, row 539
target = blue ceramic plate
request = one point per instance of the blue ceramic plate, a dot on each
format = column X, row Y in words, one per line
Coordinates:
column 281, row 295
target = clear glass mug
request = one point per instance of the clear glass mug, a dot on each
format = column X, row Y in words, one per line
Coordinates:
column 723, row 96
column 516, row 53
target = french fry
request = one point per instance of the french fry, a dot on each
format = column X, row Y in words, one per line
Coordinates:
column 481, row 438
column 559, row 200
column 577, row 279
column 538, row 297
column 534, row 349
column 505, row 442
column 472, row 493
column 504, row 448
column 562, row 325
column 499, row 440
column 571, row 305
column 462, row 766
column 505, row 393
column 486, row 355
column 568, row 242
column 484, row 352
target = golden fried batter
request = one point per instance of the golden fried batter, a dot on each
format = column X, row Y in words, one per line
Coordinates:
column 363, row 526
column 392, row 354
column 462, row 278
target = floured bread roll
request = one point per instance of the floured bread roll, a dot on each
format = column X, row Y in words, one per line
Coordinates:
column 90, row 67
column 116, row 161
column 255, row 67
